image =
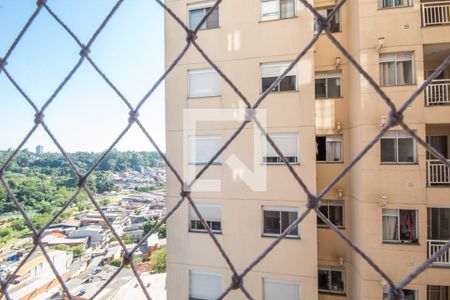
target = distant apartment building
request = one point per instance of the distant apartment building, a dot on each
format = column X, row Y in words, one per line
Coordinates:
column 395, row 202
column 39, row 149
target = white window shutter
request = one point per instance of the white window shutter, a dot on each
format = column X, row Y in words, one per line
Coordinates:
column 203, row 147
column 287, row 143
column 206, row 286
column 281, row 290
column 270, row 10
column 210, row 212
column 203, row 83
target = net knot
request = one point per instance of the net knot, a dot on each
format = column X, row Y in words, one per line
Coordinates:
column 395, row 118
column 38, row 118
column 322, row 23
column 127, row 258
column 36, row 239
column 81, row 181
column 41, row 2
column 185, row 194
column 133, row 116
column 313, row 202
column 250, row 114
column 191, row 36
column 85, row 51
column 236, row 282
column 3, row 63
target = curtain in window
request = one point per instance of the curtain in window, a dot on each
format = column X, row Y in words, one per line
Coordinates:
column 407, row 225
column 195, row 16
column 390, row 225
column 287, row 8
column 334, row 151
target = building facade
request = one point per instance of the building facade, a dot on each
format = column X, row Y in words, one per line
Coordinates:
column 395, row 202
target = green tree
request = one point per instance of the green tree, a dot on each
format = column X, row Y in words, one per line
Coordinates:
column 149, row 226
column 127, row 239
column 116, row 262
column 162, row 231
column 78, row 251
column 158, row 260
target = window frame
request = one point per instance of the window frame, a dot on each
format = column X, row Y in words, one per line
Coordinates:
column 280, row 64
column 203, row 71
column 327, row 76
column 212, row 274
column 333, row 138
column 415, row 240
column 217, row 161
column 413, row 68
column 396, row 152
column 330, row 269
column 265, row 145
column 261, row 16
column 409, row 3
column 328, row 203
column 209, row 222
column 205, row 6
column 279, row 209
column 386, row 293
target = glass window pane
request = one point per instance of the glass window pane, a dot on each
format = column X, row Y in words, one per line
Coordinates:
column 334, row 151
column 407, row 225
column 213, row 19
column 337, row 281
column 334, row 87
column 387, row 73
column 272, row 222
column 288, row 83
column 388, row 150
column 406, row 150
column 267, row 81
column 287, row 8
column 195, row 16
column 320, row 86
column 321, row 152
column 335, row 22
column 323, row 279
column 390, row 228
column 217, row 226
column 323, row 209
column 336, row 215
column 270, row 10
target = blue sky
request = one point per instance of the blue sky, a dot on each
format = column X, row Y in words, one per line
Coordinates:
column 86, row 115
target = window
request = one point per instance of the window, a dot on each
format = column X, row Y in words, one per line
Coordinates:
column 277, row 9
column 202, row 148
column 203, row 83
column 398, row 147
column 331, row 280
column 409, row 294
column 329, row 148
column 198, row 11
column 204, row 286
column 438, row 292
column 397, row 68
column 334, row 211
column 277, row 219
column 438, row 223
column 335, row 23
column 400, row 225
column 281, row 289
column 270, row 73
column 212, row 215
column 328, row 85
column 393, row 3
column 287, row 143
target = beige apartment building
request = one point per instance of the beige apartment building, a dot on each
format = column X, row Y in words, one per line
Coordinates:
column 394, row 204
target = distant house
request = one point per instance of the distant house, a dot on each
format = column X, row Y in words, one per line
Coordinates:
column 35, row 279
column 98, row 235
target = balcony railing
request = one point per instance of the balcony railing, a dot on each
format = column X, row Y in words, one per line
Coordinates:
column 435, row 13
column 433, row 247
column 438, row 92
column 438, row 173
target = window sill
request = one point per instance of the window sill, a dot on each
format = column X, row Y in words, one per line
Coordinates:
column 332, row 32
column 203, row 97
column 332, row 98
column 274, row 236
column 326, row 227
column 394, row 7
column 398, row 85
column 204, row 164
column 204, row 231
column 398, row 164
column 282, row 92
column 401, row 243
column 280, row 164
column 206, row 29
column 329, row 162
column 279, row 19
column 333, row 293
